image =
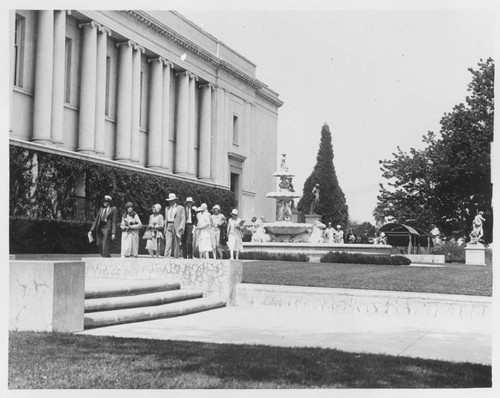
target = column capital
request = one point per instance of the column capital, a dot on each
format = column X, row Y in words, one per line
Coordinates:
column 131, row 44
column 106, row 31
column 91, row 24
column 157, row 59
column 139, row 48
column 208, row 85
column 185, row 72
column 169, row 64
column 192, row 76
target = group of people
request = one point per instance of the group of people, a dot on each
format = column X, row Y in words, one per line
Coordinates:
column 337, row 236
column 178, row 228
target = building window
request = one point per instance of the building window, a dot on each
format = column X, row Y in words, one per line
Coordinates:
column 19, row 50
column 108, row 80
column 235, row 186
column 67, row 70
column 236, row 130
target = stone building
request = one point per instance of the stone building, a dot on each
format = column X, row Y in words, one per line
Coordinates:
column 148, row 91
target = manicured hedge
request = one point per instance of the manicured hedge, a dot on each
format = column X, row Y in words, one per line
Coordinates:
column 274, row 256
column 42, row 185
column 358, row 258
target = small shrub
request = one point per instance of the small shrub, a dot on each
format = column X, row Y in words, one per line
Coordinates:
column 454, row 252
column 300, row 257
column 359, row 258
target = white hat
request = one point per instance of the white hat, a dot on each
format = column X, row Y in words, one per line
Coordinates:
column 108, row 198
column 157, row 207
column 216, row 207
column 171, row 196
column 203, row 207
column 235, row 212
column 338, row 226
column 189, row 199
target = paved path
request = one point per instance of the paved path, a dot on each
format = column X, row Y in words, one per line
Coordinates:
column 460, row 341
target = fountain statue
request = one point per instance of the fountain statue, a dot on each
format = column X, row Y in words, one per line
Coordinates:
column 284, row 230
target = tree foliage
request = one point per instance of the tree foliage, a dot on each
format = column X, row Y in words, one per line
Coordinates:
column 445, row 184
column 332, row 203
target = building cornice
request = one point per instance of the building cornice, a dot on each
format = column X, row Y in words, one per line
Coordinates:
column 261, row 89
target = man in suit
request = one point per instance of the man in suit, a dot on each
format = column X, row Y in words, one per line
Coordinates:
column 175, row 222
column 105, row 226
column 187, row 236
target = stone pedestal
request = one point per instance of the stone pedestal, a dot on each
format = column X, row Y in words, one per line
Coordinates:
column 311, row 218
column 475, row 254
column 46, row 295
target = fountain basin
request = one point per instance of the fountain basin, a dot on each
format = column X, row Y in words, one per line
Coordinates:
column 283, row 195
column 286, row 228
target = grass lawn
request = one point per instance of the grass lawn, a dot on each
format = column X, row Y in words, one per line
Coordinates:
column 450, row 279
column 54, row 361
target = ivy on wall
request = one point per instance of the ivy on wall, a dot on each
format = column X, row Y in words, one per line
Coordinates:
column 43, row 185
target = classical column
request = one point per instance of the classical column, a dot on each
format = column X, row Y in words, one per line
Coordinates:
column 42, row 106
column 136, row 103
column 155, row 113
column 12, row 25
column 165, row 142
column 219, row 137
column 205, row 151
column 86, row 125
column 58, row 77
column 124, row 105
column 100, row 104
column 192, row 125
column 182, row 125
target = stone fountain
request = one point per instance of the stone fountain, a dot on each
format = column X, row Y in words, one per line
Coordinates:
column 285, row 236
column 283, row 229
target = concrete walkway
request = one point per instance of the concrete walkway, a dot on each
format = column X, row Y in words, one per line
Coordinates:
column 458, row 341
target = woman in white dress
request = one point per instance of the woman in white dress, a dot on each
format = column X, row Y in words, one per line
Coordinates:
column 218, row 220
column 130, row 226
column 234, row 235
column 329, row 234
column 203, row 228
column 154, row 245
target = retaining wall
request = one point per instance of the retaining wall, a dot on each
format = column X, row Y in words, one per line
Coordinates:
column 216, row 278
column 364, row 301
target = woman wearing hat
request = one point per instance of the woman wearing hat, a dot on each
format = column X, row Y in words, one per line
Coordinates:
column 130, row 226
column 234, row 235
column 218, row 224
column 154, row 244
column 203, row 228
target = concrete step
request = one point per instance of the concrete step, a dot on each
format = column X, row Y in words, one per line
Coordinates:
column 129, row 315
column 140, row 300
column 128, row 288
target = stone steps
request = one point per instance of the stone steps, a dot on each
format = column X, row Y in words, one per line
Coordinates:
column 141, row 300
column 128, row 288
column 137, row 301
column 115, row 317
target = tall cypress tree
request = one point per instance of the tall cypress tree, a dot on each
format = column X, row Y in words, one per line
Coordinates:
column 332, row 203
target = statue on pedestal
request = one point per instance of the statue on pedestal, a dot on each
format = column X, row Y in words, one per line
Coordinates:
column 315, row 202
column 477, row 228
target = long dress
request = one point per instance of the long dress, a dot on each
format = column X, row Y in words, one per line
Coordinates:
column 203, row 227
column 156, row 226
column 234, row 235
column 217, row 221
column 130, row 237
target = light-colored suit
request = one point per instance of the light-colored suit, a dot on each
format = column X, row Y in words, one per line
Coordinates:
column 174, row 230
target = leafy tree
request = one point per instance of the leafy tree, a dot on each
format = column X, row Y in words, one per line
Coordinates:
column 448, row 182
column 332, row 203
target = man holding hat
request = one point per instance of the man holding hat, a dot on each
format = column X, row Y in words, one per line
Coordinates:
column 175, row 222
column 187, row 236
column 105, row 226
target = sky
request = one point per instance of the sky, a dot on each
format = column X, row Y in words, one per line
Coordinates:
column 379, row 78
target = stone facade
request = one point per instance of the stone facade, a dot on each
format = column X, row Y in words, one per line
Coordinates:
column 147, row 89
